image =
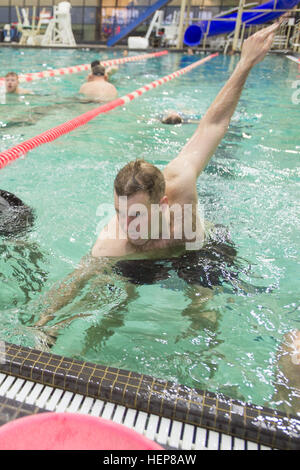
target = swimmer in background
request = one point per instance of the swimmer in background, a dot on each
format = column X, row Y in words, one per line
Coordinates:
column 108, row 70
column 97, row 88
column 12, row 85
column 173, row 117
column 229, row 50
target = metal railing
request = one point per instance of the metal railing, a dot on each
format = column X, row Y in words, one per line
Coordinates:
column 287, row 38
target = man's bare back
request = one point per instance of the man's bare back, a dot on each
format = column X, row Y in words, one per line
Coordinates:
column 97, row 88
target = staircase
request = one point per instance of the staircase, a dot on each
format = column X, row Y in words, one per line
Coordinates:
column 136, row 22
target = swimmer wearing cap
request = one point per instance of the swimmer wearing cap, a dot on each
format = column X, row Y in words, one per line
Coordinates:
column 97, row 88
column 12, row 85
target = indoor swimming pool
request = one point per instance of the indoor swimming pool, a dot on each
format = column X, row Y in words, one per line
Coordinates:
column 147, row 318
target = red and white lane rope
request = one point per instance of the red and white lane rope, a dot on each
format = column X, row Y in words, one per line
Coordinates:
column 48, row 136
column 28, row 77
column 294, row 59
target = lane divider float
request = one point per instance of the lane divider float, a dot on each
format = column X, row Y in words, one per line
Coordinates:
column 28, row 77
column 294, row 59
column 50, row 135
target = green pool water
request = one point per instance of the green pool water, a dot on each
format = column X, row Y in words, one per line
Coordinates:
column 251, row 186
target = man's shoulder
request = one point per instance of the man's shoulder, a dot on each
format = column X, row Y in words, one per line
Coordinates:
column 85, row 86
column 109, row 242
column 105, row 247
column 23, row 91
column 106, row 86
column 111, row 85
column 180, row 182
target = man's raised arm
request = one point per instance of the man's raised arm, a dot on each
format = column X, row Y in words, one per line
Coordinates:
column 196, row 153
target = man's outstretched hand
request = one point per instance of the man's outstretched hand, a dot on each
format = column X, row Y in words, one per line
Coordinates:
column 256, row 46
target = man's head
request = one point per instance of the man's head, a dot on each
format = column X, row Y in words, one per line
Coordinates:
column 95, row 63
column 141, row 184
column 11, row 82
column 172, row 118
column 15, row 217
column 98, row 70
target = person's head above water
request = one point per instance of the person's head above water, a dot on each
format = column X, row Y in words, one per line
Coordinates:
column 12, row 85
column 98, row 70
column 16, row 218
column 139, row 175
column 11, row 82
column 172, row 118
column 95, row 63
column 141, row 183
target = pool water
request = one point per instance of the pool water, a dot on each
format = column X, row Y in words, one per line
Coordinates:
column 251, row 186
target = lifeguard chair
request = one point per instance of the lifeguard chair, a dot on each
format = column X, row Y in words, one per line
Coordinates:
column 29, row 29
column 59, row 31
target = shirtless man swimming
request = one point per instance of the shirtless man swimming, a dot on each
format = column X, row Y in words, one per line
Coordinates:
column 12, row 85
column 140, row 186
column 141, row 183
column 97, row 88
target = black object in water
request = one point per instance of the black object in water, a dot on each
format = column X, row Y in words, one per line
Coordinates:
column 211, row 266
column 16, row 218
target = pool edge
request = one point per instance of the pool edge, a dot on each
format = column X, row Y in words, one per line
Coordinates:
column 166, row 399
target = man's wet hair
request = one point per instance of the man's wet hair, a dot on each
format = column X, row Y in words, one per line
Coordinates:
column 11, row 74
column 16, row 218
column 95, row 63
column 139, row 175
column 98, row 70
column 172, row 119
